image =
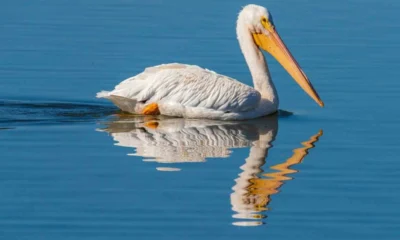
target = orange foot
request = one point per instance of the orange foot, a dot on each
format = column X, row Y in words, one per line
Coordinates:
column 151, row 109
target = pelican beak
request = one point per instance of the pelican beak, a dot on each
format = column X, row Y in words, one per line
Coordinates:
column 272, row 43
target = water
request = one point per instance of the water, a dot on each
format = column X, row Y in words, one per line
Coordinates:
column 73, row 167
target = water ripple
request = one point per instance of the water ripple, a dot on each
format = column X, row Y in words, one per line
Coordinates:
column 16, row 113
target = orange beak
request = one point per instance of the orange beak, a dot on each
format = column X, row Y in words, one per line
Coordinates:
column 273, row 44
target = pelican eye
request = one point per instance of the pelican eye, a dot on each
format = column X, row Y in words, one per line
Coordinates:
column 267, row 23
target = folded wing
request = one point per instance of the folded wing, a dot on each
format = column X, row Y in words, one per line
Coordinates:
column 187, row 86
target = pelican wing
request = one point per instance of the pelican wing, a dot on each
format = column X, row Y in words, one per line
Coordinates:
column 187, row 86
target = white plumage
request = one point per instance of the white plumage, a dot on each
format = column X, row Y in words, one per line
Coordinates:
column 185, row 91
column 193, row 92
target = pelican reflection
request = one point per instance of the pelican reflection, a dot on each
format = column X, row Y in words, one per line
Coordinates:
column 177, row 140
column 253, row 189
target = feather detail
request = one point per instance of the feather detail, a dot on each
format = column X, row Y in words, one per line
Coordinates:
column 184, row 91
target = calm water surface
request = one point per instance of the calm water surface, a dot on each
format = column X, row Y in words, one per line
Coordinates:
column 73, row 167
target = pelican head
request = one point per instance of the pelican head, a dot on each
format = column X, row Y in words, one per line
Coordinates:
column 259, row 22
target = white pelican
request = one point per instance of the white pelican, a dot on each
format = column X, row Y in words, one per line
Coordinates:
column 192, row 92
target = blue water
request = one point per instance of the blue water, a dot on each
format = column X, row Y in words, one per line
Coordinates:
column 73, row 167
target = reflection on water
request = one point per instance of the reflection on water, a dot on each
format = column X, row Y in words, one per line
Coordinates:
column 252, row 191
column 176, row 140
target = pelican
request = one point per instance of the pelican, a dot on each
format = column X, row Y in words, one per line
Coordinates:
column 190, row 91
